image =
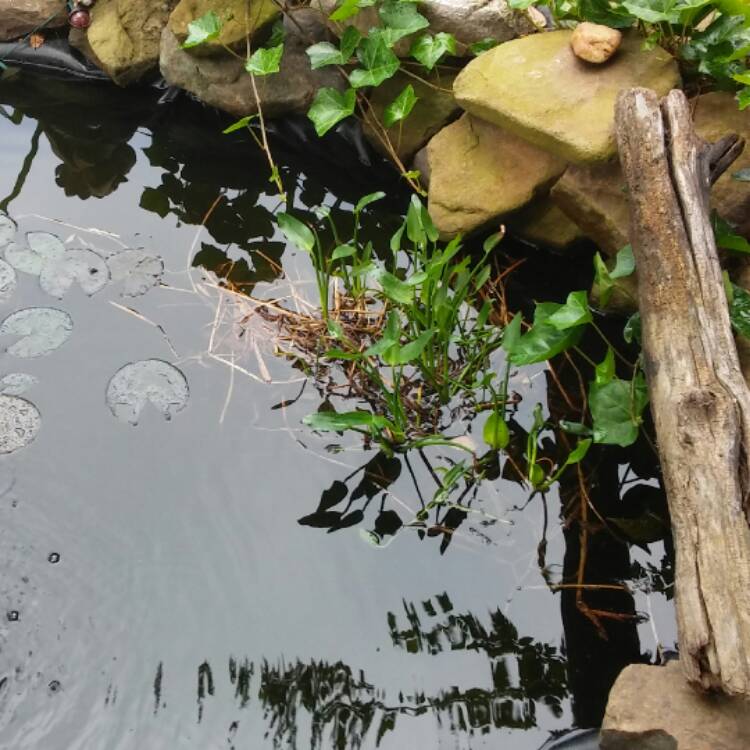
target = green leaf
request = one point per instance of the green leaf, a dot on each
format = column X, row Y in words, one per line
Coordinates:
column 616, row 409
column 202, row 30
column 296, row 232
column 325, row 53
column 402, row 355
column 574, row 312
column 330, row 107
column 400, row 108
column 495, row 432
column 605, row 370
column 265, row 60
column 429, row 49
column 378, row 61
column 239, row 125
column 401, row 18
column 624, row 263
column 347, row 9
column 743, row 175
column 578, row 453
column 603, row 280
column 544, row 341
column 632, row 330
column 343, row 251
column 393, row 288
column 739, row 310
column 726, row 238
column 575, row 428
column 366, row 200
column 512, row 333
column 331, row 421
column 487, row 43
column 492, row 242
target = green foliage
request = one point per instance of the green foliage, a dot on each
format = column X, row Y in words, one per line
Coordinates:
column 495, row 432
column 265, row 60
column 739, row 311
column 429, row 49
column 605, row 279
column 202, row 30
column 331, row 107
column 377, row 60
column 400, row 108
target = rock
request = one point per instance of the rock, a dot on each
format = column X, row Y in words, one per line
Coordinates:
column 223, row 82
column 468, row 20
column 543, row 223
column 434, row 109
column 421, row 163
column 479, row 174
column 595, row 197
column 653, row 708
column 124, row 37
column 716, row 115
column 19, row 17
column 237, row 16
column 536, row 88
column 595, row 43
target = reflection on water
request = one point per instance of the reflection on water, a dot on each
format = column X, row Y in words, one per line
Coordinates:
column 177, row 585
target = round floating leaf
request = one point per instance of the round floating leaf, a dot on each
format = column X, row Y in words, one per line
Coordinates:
column 83, row 267
column 137, row 383
column 7, row 230
column 20, row 421
column 136, row 271
column 42, row 330
column 7, row 281
column 40, row 247
column 17, row 383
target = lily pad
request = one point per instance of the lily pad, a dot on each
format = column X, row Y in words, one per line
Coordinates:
column 136, row 270
column 42, row 330
column 7, row 280
column 7, row 230
column 137, row 383
column 20, row 421
column 17, row 383
column 40, row 248
column 83, row 267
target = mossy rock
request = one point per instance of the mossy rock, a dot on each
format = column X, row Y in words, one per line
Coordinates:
column 537, row 89
column 239, row 18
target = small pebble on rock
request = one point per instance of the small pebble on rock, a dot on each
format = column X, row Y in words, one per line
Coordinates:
column 595, row 43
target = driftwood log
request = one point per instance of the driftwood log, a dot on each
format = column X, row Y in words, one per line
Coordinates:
column 699, row 398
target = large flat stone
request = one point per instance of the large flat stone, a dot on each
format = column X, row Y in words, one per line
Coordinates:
column 595, row 197
column 239, row 18
column 19, row 17
column 479, row 174
column 124, row 37
column 435, row 108
column 536, row 88
column 222, row 81
column 653, row 708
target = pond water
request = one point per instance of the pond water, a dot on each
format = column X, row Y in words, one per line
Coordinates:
column 181, row 560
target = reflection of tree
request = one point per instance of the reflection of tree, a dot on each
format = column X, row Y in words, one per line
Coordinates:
column 88, row 129
column 337, row 706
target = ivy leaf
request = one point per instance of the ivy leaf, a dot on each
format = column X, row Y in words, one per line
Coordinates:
column 575, row 312
column 330, row 107
column 632, row 330
column 605, row 370
column 429, row 49
column 349, row 8
column 202, row 30
column 401, row 19
column 377, row 59
column 624, row 263
column 265, row 60
column 400, row 108
column 739, row 310
column 726, row 238
column 325, row 53
column 488, row 42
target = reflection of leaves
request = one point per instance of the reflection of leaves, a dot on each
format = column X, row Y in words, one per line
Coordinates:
column 136, row 270
column 380, row 472
column 42, row 330
column 19, row 423
column 348, row 520
column 137, row 383
column 321, row 519
column 333, row 495
column 83, row 267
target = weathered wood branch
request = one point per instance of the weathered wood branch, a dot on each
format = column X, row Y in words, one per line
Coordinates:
column 699, row 399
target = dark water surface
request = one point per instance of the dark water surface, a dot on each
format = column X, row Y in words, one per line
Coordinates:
column 156, row 587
